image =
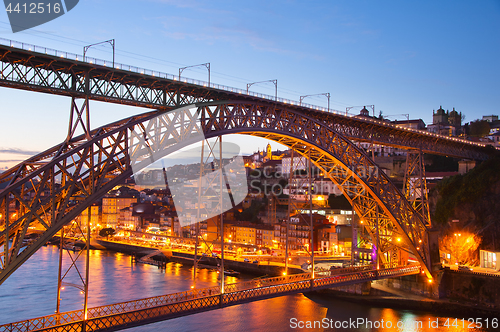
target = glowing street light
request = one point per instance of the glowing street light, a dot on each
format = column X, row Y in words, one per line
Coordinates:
column 111, row 42
column 327, row 94
column 275, row 82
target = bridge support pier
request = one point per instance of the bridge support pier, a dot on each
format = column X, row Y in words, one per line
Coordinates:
column 296, row 183
column 415, row 184
column 79, row 116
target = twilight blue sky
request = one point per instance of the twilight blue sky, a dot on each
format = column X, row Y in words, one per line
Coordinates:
column 402, row 56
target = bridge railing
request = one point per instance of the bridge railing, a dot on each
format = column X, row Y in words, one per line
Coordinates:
column 265, row 282
column 72, row 316
column 154, row 73
column 342, row 270
column 91, row 60
column 257, row 287
column 399, row 270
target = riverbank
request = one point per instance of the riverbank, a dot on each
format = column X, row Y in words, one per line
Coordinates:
column 270, row 269
column 377, row 295
column 381, row 299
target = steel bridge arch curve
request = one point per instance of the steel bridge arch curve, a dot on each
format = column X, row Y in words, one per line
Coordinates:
column 376, row 200
column 83, row 168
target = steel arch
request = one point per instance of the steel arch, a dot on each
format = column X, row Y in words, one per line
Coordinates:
column 35, row 68
column 54, row 187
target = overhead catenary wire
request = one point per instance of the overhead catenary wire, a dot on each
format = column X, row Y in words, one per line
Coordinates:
column 153, row 60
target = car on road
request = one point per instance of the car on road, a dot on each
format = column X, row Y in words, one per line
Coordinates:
column 246, row 260
column 255, row 262
column 464, row 268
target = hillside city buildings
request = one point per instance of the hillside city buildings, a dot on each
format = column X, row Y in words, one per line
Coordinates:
column 278, row 195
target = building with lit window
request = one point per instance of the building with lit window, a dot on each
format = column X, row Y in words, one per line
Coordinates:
column 111, row 206
column 246, row 234
column 489, row 259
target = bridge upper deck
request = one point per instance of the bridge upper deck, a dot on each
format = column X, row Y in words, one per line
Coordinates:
column 40, row 69
column 144, row 311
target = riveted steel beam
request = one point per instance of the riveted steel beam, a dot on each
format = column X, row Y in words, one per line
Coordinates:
column 56, row 187
column 35, row 71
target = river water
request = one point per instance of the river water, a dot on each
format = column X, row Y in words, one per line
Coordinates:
column 31, row 292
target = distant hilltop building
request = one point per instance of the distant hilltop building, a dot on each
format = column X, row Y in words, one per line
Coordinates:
column 364, row 112
column 445, row 122
column 258, row 158
column 270, row 155
column 490, row 118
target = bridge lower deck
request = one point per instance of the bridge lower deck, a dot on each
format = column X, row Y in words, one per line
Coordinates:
column 124, row 315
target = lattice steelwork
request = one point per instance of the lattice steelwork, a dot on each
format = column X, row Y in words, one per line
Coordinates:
column 49, row 190
column 139, row 312
column 415, row 186
column 54, row 187
column 59, row 74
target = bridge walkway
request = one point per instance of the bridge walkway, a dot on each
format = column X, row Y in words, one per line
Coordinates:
column 128, row 314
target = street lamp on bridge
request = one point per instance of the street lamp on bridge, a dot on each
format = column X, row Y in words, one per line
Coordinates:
column 111, row 42
column 206, row 65
column 275, row 82
column 327, row 94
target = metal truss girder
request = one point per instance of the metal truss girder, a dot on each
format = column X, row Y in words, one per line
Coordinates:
column 354, row 190
column 304, row 133
column 68, row 174
column 415, row 184
column 34, row 71
column 154, row 309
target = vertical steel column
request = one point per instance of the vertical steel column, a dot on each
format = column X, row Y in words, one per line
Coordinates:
column 89, row 216
column 423, row 190
column 76, row 118
column 378, row 238
column 7, row 231
column 354, row 243
column 87, row 263
column 197, row 226
column 59, row 280
column 415, row 189
column 289, row 211
column 221, row 221
column 71, row 129
column 310, row 212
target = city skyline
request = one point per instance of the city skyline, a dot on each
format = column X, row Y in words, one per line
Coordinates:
column 420, row 57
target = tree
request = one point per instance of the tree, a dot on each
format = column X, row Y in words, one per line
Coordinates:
column 338, row 202
column 106, row 232
column 251, row 214
column 461, row 247
column 479, row 128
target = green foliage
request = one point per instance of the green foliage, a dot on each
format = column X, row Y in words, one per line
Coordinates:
column 105, row 232
column 441, row 164
column 469, row 188
column 254, row 173
column 338, row 202
column 479, row 128
column 251, row 213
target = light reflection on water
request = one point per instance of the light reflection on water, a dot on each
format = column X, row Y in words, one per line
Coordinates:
column 31, row 292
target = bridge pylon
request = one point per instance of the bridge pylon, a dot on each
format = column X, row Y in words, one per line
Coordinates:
column 79, row 116
column 415, row 185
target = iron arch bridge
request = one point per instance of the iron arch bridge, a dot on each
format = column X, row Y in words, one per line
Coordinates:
column 54, row 187
column 40, row 69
